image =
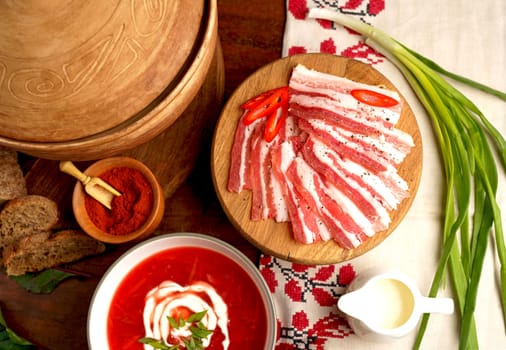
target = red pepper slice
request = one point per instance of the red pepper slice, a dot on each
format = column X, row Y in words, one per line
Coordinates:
column 373, row 98
column 274, row 122
column 268, row 105
column 255, row 101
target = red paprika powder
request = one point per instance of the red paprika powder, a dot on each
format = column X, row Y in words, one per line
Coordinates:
column 128, row 211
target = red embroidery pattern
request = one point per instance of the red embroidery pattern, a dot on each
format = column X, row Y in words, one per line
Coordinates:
column 298, row 8
column 294, row 50
column 363, row 52
column 306, row 298
column 325, row 24
column 352, row 47
column 376, row 6
column 328, row 46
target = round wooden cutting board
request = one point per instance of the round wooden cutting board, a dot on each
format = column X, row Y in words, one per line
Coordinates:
column 276, row 238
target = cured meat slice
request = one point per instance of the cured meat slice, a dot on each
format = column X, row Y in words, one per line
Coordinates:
column 303, row 105
column 289, row 129
column 306, row 226
column 238, row 176
column 277, row 200
column 340, row 144
column 331, row 170
column 350, row 120
column 369, row 198
column 267, row 197
column 314, row 83
column 376, row 148
column 259, row 175
column 337, row 212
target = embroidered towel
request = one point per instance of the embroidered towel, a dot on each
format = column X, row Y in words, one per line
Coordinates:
column 468, row 38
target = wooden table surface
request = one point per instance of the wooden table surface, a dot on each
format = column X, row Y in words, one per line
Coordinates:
column 251, row 35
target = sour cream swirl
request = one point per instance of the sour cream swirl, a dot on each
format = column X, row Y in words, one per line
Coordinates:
column 169, row 297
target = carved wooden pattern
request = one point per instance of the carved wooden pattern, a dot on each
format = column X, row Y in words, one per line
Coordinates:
column 70, row 69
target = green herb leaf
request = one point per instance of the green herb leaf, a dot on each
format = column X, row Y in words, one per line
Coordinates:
column 172, row 322
column 196, row 317
column 189, row 344
column 198, row 332
column 156, row 343
column 43, row 282
column 181, row 323
column 10, row 340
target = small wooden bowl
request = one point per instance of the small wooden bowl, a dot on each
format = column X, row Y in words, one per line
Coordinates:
column 81, row 214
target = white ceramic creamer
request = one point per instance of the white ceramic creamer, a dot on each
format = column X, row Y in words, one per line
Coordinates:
column 386, row 305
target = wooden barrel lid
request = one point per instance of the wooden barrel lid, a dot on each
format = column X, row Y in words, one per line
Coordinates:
column 70, row 69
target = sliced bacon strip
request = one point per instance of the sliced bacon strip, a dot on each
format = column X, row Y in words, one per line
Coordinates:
column 396, row 183
column 267, row 197
column 334, row 213
column 238, row 176
column 373, row 145
column 306, row 226
column 259, row 175
column 331, row 168
column 336, row 141
column 388, row 188
column 278, row 203
column 348, row 119
column 313, row 83
column 334, row 169
column 289, row 129
column 303, row 106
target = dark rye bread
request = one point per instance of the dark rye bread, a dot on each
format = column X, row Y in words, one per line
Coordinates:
column 45, row 250
column 24, row 216
column 12, row 182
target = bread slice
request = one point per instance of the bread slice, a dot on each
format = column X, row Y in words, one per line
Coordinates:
column 24, row 216
column 45, row 250
column 12, row 182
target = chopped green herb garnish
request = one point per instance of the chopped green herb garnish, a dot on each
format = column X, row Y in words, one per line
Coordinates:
column 158, row 344
column 194, row 342
column 200, row 331
column 196, row 317
column 173, row 323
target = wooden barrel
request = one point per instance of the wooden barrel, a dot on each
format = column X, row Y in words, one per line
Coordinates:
column 91, row 79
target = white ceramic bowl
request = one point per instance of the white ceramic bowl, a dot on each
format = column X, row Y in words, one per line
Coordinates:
column 97, row 328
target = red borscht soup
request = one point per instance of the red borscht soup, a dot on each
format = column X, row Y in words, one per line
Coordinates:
column 201, row 275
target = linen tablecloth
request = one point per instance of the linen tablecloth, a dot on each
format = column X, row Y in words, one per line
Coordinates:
column 465, row 37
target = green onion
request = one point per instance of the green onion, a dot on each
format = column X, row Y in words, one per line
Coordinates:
column 467, row 142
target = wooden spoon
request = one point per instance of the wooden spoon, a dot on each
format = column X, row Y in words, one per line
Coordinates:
column 94, row 186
